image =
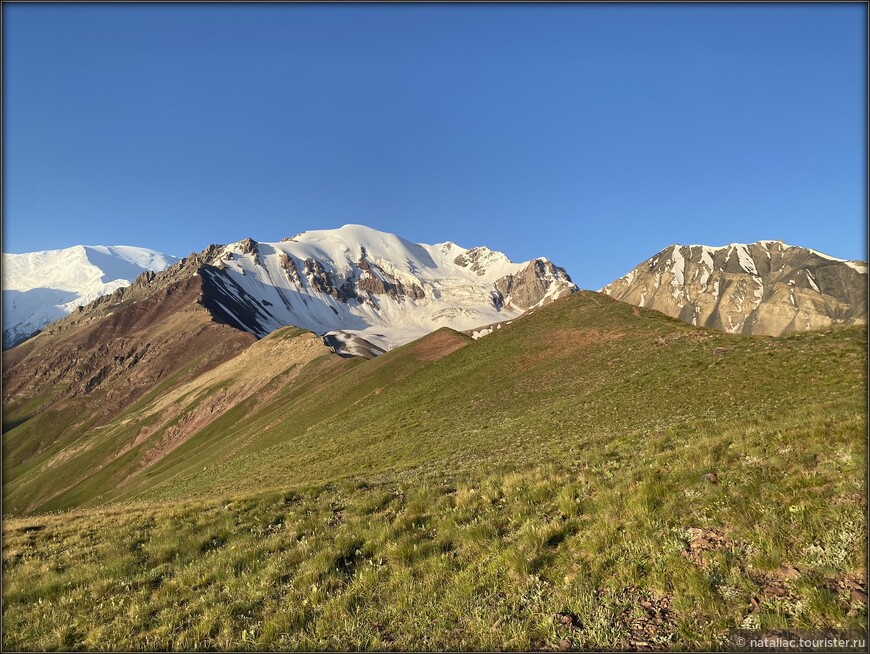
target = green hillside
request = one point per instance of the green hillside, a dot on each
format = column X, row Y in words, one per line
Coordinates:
column 592, row 475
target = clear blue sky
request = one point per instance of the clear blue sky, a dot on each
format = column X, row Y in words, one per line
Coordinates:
column 594, row 135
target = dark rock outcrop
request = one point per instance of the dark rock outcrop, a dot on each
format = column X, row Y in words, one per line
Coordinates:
column 531, row 285
column 290, row 267
column 249, row 246
column 474, row 259
column 376, row 280
column 323, row 281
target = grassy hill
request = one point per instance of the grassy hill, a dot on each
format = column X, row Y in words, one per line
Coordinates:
column 593, row 475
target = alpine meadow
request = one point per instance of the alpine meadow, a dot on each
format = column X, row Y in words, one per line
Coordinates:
column 531, row 327
column 564, row 482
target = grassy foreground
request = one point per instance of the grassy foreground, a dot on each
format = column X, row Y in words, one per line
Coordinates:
column 619, row 549
column 632, row 483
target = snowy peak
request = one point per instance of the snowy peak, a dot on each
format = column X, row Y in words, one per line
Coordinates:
column 766, row 287
column 356, row 282
column 366, row 290
column 40, row 287
column 72, row 268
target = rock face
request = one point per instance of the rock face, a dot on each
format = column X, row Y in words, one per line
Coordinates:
column 375, row 280
column 531, row 285
column 766, row 287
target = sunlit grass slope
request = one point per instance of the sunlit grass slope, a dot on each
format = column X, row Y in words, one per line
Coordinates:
column 592, row 475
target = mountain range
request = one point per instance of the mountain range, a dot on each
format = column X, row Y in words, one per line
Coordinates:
column 345, row 440
column 367, row 291
column 203, row 321
column 370, row 291
column 354, row 291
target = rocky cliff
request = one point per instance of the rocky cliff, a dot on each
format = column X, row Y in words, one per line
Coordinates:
column 766, row 287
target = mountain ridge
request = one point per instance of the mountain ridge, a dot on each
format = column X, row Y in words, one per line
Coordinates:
column 589, row 454
column 365, row 284
column 367, row 291
column 767, row 287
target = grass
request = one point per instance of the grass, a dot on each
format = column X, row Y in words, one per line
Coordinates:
column 480, row 562
column 547, row 486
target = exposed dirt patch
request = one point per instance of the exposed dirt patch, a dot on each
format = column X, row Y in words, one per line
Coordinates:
column 172, row 437
column 851, row 589
column 646, row 622
column 773, row 585
column 439, row 344
column 654, row 628
column 704, row 539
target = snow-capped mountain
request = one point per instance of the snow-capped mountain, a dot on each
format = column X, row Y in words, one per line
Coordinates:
column 361, row 290
column 370, row 291
column 40, row 287
column 767, row 287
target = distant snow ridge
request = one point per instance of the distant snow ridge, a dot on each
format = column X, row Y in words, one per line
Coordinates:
column 41, row 287
column 767, row 287
column 370, row 291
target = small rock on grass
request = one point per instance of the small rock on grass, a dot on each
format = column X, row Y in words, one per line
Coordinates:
column 567, row 620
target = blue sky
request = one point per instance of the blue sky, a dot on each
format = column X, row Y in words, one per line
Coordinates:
column 594, row 135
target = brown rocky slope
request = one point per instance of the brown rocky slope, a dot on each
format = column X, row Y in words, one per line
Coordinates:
column 114, row 387
column 766, row 287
